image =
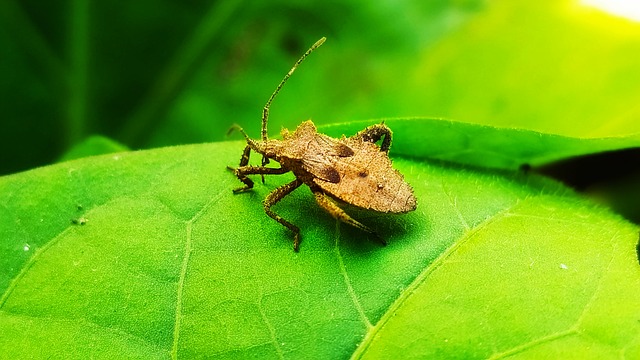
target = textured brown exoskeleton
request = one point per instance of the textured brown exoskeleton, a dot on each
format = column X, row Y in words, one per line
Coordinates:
column 353, row 170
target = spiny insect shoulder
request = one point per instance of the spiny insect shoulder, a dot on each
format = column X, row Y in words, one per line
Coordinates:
column 285, row 133
column 306, row 128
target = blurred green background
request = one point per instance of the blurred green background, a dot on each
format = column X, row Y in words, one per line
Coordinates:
column 156, row 73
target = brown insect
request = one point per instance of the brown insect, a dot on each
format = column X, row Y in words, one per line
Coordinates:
column 351, row 170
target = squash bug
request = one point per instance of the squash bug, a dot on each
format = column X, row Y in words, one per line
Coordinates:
column 352, row 170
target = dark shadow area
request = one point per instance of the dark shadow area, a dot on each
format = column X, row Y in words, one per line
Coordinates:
column 612, row 178
column 392, row 228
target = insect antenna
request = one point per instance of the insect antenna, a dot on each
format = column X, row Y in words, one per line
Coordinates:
column 236, row 127
column 265, row 111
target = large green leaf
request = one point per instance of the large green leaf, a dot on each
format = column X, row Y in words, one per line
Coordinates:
column 149, row 255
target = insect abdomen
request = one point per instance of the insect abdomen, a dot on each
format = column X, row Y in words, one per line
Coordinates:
column 369, row 181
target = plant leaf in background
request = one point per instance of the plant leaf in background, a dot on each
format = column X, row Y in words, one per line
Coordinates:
column 172, row 73
column 93, row 145
column 485, row 146
column 553, row 66
column 149, row 254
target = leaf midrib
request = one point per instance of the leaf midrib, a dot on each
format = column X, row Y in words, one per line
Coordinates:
column 422, row 277
column 184, row 266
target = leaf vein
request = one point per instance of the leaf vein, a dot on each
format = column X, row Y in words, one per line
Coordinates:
column 347, row 281
column 530, row 344
column 81, row 321
column 272, row 331
column 454, row 204
column 183, row 271
column 422, row 277
column 32, row 260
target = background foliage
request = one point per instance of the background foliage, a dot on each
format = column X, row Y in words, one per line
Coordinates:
column 149, row 74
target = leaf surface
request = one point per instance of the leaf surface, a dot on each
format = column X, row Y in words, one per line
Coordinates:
column 149, row 255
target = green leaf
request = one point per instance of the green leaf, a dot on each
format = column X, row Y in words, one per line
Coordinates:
column 149, row 255
column 537, row 279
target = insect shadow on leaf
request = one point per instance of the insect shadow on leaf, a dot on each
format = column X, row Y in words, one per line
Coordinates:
column 352, row 170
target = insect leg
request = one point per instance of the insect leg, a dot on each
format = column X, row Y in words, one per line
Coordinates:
column 273, row 198
column 332, row 208
column 374, row 133
column 243, row 171
column 244, row 160
column 265, row 162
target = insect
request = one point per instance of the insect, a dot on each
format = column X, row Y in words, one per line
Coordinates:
column 352, row 170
